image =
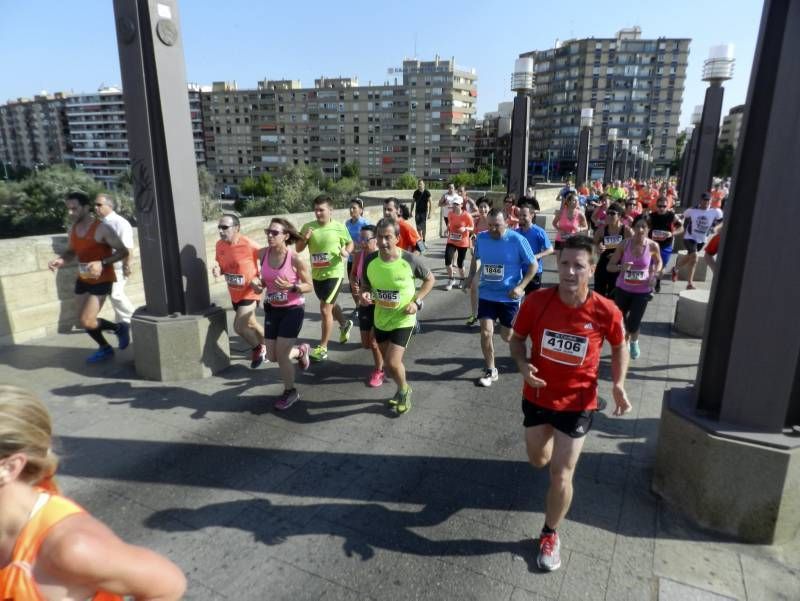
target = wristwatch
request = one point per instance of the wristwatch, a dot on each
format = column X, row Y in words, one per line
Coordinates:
column 419, row 303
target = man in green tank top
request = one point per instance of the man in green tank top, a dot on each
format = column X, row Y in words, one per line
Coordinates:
column 389, row 281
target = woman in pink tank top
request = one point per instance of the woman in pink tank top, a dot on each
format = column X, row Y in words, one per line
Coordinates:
column 569, row 221
column 285, row 278
column 637, row 260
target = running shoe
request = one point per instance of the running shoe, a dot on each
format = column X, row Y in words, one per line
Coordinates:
column 302, row 359
column 658, row 284
column 123, row 334
column 690, row 287
column 634, row 347
column 320, row 353
column 287, row 399
column 257, row 356
column 376, row 378
column 471, row 321
column 401, row 402
column 674, row 274
column 344, row 331
column 102, row 354
column 489, row 377
column 549, row 557
column 450, row 284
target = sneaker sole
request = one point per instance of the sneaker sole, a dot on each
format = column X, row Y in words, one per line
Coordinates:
column 547, row 569
column 282, row 407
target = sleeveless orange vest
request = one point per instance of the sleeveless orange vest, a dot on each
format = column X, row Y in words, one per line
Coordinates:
column 16, row 579
column 88, row 249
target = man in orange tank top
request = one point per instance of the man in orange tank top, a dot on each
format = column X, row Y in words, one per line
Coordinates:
column 237, row 260
column 97, row 248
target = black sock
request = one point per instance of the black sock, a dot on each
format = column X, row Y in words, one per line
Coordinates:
column 104, row 324
column 547, row 530
column 97, row 336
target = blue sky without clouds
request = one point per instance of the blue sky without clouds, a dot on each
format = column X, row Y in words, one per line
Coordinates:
column 58, row 45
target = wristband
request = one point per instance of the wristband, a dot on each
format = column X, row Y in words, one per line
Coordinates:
column 294, row 289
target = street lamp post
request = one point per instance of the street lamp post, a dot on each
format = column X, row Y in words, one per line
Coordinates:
column 5, row 170
column 634, row 158
column 491, row 173
column 522, row 84
column 587, row 117
column 610, row 151
column 691, row 152
column 717, row 69
column 625, row 144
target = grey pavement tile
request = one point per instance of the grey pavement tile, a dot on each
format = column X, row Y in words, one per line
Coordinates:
column 520, row 594
column 196, row 591
column 624, row 586
column 585, row 578
column 766, row 580
column 669, row 590
column 702, row 565
column 587, row 540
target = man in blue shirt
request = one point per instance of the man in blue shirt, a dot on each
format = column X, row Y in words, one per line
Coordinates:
column 506, row 265
column 354, row 225
column 537, row 238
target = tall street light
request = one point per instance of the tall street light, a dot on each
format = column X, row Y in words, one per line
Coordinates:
column 624, row 145
column 582, row 176
column 717, row 69
column 611, row 148
column 684, row 184
column 632, row 172
column 522, row 84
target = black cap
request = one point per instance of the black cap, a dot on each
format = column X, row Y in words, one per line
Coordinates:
column 705, row 196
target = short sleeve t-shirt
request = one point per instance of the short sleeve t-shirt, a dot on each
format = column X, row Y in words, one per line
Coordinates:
column 698, row 223
column 324, row 247
column 409, row 236
column 393, row 285
column 421, row 202
column 538, row 240
column 239, row 265
column 660, row 228
column 454, row 223
column 565, row 346
column 503, row 264
column 354, row 229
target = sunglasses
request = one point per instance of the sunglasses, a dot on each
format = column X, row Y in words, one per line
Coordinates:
column 269, row 232
column 661, row 206
column 367, row 239
column 98, row 204
column 224, row 227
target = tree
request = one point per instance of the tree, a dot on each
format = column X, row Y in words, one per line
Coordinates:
column 680, row 142
column 463, row 179
column 205, row 181
column 350, row 170
column 407, row 181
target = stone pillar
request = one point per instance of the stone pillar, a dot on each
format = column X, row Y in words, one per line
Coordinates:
column 520, row 133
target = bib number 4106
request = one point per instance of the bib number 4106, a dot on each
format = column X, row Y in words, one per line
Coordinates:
column 568, row 349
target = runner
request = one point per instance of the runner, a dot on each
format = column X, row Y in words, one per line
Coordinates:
column 446, row 202
column 712, row 248
column 617, row 192
column 637, row 260
column 566, row 326
column 606, row 240
column 481, row 225
column 367, row 244
column 598, row 218
column 664, row 226
column 97, row 248
column 409, row 237
column 421, row 208
column 104, row 209
column 354, row 225
column 285, row 278
column 50, row 548
column 459, row 230
column 507, row 265
column 388, row 280
column 237, row 261
column 510, row 211
column 328, row 244
column 470, row 206
column 569, row 221
column 698, row 224
column 537, row 239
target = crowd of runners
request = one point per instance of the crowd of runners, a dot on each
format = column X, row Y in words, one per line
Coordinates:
column 612, row 246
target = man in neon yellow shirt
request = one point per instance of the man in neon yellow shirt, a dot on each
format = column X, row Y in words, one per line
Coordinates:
column 329, row 244
column 617, row 192
column 388, row 281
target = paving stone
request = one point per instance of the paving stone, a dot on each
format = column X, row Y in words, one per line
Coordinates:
column 669, row 590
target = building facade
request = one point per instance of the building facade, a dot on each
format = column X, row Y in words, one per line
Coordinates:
column 634, row 85
column 731, row 127
column 34, row 132
column 493, row 138
column 421, row 124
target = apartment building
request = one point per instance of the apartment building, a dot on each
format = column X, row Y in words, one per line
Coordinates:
column 421, row 123
column 33, row 132
column 633, row 84
column 731, row 127
column 493, row 138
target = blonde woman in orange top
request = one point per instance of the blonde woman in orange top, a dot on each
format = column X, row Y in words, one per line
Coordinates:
column 50, row 548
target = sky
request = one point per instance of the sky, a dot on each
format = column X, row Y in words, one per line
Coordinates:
column 70, row 46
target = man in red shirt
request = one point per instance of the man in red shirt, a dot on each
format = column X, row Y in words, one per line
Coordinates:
column 409, row 236
column 566, row 326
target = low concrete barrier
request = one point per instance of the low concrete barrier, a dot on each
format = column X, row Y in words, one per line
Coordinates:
column 690, row 312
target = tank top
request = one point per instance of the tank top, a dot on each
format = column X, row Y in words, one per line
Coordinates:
column 612, row 241
column 16, row 579
column 481, row 225
column 637, row 278
column 273, row 295
column 570, row 226
column 87, row 249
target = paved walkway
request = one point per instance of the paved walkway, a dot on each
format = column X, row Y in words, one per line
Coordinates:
column 335, row 499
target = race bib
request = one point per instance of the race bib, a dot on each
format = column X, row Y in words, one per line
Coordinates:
column 388, row 299
column 83, row 272
column 234, row 280
column 636, row 276
column 660, row 235
column 320, row 260
column 568, row 349
column 455, row 236
column 701, row 226
column 493, row 273
column 612, row 241
column 278, row 297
